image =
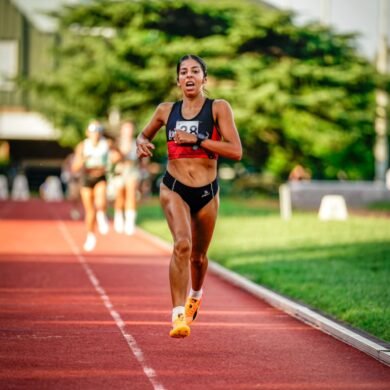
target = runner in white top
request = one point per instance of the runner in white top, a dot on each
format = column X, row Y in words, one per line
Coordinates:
column 91, row 159
column 126, row 181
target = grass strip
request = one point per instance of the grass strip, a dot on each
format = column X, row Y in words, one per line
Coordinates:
column 340, row 268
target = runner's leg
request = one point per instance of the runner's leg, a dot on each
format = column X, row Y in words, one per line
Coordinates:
column 90, row 217
column 100, row 194
column 202, row 226
column 87, row 199
column 177, row 213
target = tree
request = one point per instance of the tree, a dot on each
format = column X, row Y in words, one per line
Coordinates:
column 300, row 94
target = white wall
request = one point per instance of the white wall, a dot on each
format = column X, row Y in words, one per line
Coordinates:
column 360, row 16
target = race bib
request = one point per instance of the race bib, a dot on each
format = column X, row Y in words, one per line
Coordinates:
column 191, row 127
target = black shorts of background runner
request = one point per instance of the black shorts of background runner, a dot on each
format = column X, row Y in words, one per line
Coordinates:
column 91, row 181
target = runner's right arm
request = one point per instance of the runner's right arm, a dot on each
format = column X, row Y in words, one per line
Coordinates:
column 78, row 161
column 159, row 119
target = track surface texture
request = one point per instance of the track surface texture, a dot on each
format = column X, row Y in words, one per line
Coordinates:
column 100, row 320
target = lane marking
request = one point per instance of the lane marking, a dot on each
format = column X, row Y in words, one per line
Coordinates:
column 131, row 342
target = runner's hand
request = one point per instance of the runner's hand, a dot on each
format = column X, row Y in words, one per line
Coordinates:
column 144, row 147
column 182, row 137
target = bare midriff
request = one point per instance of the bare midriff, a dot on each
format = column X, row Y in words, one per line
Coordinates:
column 193, row 172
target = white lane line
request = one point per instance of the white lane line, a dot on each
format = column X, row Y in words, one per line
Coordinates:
column 131, row 342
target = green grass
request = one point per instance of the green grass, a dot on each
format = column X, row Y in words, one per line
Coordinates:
column 380, row 206
column 340, row 268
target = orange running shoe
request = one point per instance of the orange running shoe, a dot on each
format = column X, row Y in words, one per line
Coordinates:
column 180, row 329
column 191, row 309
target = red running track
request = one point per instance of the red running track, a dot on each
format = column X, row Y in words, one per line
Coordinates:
column 70, row 320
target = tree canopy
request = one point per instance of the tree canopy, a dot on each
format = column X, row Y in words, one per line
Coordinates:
column 300, row 94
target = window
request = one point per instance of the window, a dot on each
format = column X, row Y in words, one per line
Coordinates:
column 8, row 64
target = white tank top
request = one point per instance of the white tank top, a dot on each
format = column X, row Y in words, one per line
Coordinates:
column 96, row 156
column 128, row 149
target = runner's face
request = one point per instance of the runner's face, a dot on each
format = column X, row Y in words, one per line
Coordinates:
column 94, row 136
column 191, row 77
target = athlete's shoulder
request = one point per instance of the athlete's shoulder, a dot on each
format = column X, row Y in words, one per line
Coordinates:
column 221, row 107
column 165, row 106
column 162, row 112
column 221, row 103
column 163, row 109
column 79, row 146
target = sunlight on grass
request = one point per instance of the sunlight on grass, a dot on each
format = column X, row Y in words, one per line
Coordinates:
column 341, row 268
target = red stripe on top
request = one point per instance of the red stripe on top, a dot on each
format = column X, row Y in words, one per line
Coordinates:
column 176, row 151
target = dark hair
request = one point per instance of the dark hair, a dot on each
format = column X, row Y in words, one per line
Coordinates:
column 199, row 60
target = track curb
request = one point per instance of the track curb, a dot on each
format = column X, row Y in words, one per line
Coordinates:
column 373, row 347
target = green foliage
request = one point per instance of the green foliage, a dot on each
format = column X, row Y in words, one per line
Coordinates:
column 300, row 94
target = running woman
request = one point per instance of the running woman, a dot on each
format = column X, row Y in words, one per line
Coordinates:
column 126, row 181
column 91, row 160
column 198, row 130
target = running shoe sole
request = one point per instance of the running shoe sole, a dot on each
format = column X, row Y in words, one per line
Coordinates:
column 180, row 331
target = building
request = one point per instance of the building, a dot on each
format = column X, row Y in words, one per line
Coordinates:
column 28, row 142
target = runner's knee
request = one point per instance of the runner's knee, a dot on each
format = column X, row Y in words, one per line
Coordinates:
column 182, row 248
column 198, row 258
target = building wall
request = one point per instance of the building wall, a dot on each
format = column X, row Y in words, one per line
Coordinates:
column 33, row 53
column 11, row 30
column 31, row 45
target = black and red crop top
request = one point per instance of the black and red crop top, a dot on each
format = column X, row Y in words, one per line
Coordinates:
column 202, row 123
